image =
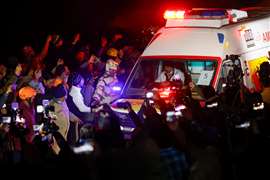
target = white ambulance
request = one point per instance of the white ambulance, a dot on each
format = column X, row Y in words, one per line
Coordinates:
column 200, row 42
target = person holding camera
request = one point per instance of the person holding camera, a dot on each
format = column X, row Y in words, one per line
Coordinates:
column 61, row 112
column 60, row 109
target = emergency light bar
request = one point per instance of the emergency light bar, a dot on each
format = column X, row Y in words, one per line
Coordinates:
column 203, row 17
column 174, row 14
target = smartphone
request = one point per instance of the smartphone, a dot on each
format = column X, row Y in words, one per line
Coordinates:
column 45, row 102
column 85, row 148
column 6, row 120
column 37, row 127
column 40, row 109
column 170, row 116
column 14, row 106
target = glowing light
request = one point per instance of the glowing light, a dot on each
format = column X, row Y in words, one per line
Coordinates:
column 149, row 95
column 164, row 94
column 243, row 125
column 86, row 148
column 215, row 104
column 45, row 102
column 180, row 107
column 178, row 113
column 170, row 113
column 15, row 106
column 40, row 109
column 116, row 88
column 174, row 14
column 258, row 106
column 127, row 129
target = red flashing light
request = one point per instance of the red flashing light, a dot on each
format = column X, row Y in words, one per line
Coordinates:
column 174, row 14
column 165, row 93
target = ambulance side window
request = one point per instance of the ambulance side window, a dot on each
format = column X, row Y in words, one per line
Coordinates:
column 196, row 67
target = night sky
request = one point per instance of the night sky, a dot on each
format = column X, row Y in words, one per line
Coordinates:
column 26, row 18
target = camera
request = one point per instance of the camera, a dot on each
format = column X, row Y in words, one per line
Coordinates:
column 45, row 109
column 5, row 119
column 14, row 106
column 11, row 114
column 172, row 116
column 47, row 125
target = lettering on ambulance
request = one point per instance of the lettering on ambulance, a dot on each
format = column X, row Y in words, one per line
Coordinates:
column 266, row 36
column 249, row 38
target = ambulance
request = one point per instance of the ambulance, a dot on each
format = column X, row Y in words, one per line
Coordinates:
column 201, row 43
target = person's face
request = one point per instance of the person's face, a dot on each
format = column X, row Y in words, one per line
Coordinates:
column 116, row 37
column 60, row 43
column 18, row 70
column 104, row 41
column 62, row 99
column 28, row 51
column 121, row 53
column 168, row 69
column 80, row 56
column 3, row 71
column 112, row 72
column 77, row 37
column 65, row 74
column 38, row 74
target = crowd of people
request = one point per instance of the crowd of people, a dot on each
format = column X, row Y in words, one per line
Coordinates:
column 75, row 81
column 73, row 76
column 69, row 81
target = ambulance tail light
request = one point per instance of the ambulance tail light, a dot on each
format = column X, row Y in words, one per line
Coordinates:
column 169, row 14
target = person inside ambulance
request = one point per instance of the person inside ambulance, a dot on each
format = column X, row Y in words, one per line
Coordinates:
column 170, row 73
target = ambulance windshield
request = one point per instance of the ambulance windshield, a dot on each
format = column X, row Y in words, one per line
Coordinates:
column 147, row 71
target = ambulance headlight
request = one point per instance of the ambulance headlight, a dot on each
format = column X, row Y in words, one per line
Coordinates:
column 116, row 88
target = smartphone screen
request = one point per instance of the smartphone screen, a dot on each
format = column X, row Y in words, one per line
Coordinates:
column 85, row 148
column 15, row 106
column 170, row 116
column 40, row 109
column 45, row 102
column 6, row 120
